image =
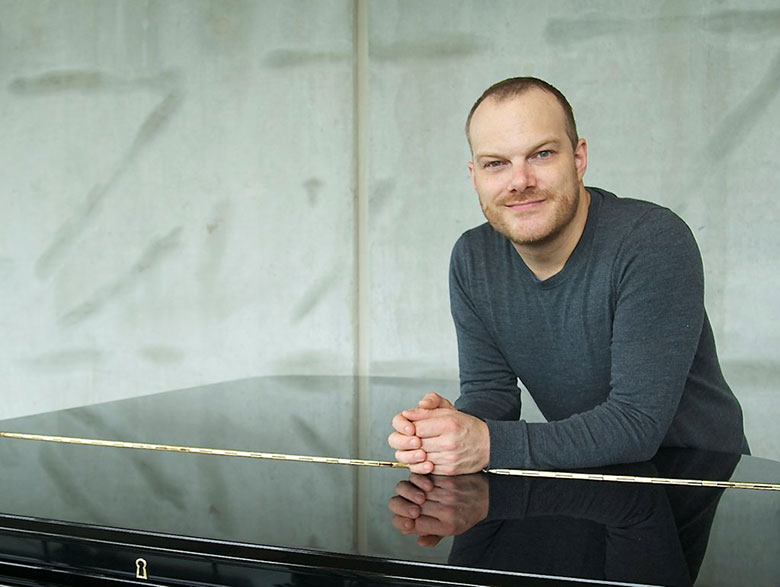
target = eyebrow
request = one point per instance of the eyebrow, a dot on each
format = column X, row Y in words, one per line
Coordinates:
column 551, row 141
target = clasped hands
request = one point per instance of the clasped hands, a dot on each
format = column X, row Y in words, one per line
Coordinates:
column 436, row 438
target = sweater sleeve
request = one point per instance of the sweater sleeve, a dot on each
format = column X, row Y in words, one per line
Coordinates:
column 488, row 385
column 658, row 284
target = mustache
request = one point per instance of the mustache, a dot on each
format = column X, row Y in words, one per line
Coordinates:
column 531, row 195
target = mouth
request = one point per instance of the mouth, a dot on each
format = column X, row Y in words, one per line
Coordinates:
column 525, row 205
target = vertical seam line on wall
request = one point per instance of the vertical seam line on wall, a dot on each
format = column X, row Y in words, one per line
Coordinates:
column 362, row 280
column 362, row 277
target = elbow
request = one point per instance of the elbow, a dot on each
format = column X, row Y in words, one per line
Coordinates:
column 647, row 450
column 640, row 435
column 647, row 441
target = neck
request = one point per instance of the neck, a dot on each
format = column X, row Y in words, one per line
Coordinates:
column 547, row 258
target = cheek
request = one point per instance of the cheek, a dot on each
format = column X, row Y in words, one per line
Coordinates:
column 486, row 197
column 488, row 187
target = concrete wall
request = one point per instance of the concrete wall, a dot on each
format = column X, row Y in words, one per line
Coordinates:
column 196, row 191
column 178, row 195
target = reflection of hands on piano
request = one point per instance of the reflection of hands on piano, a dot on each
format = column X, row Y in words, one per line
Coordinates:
column 437, row 438
column 433, row 507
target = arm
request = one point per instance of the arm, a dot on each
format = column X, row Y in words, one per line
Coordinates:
column 657, row 283
column 437, row 438
column 488, row 385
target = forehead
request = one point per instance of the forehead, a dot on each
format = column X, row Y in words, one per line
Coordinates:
column 519, row 120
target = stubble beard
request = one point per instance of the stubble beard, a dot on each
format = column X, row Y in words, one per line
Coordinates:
column 563, row 213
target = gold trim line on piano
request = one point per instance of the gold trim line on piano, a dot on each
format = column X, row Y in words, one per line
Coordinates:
column 635, row 479
column 386, row 464
column 203, row 451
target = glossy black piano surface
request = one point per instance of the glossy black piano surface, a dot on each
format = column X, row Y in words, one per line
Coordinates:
column 85, row 515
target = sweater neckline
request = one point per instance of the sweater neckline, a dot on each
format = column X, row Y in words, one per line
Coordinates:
column 574, row 259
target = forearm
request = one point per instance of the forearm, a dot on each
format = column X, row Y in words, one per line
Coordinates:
column 500, row 403
column 600, row 437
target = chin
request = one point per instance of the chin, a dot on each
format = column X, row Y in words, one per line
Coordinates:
column 526, row 239
column 530, row 235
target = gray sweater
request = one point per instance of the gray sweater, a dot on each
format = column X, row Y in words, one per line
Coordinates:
column 615, row 349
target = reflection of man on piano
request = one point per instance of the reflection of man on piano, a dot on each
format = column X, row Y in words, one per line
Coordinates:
column 628, row 532
column 596, row 303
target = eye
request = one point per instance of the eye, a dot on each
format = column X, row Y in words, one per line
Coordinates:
column 546, row 154
column 492, row 164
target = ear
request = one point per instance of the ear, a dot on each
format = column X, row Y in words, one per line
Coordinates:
column 581, row 158
column 470, row 165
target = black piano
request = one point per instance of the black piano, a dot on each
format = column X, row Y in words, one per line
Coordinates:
column 75, row 514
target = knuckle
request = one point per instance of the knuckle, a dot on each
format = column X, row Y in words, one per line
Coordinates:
column 446, row 469
column 449, row 512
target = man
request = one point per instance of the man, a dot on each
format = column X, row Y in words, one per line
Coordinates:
column 594, row 302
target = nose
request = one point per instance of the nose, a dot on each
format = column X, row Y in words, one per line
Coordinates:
column 522, row 177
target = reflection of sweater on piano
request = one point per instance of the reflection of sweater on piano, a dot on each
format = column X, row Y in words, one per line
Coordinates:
column 601, row 530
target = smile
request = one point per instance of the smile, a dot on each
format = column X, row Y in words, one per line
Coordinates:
column 524, row 205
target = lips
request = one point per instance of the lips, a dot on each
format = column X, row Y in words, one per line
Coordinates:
column 524, row 204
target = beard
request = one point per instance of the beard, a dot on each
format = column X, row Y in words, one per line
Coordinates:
column 536, row 227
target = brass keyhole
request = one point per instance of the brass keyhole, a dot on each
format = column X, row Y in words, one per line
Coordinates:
column 140, row 569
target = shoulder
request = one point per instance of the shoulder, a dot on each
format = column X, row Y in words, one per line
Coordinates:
column 481, row 259
column 628, row 221
column 644, row 241
column 480, row 236
column 480, row 242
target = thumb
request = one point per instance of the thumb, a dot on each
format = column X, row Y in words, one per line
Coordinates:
column 417, row 414
column 431, row 401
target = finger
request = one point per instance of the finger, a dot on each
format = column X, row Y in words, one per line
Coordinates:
column 430, row 401
column 411, row 457
column 447, row 484
column 429, row 540
column 450, row 470
column 429, row 423
column 427, row 525
column 400, row 441
column 440, row 514
column 433, row 400
column 454, row 490
column 445, row 464
column 447, row 404
column 422, row 468
column 452, row 424
column 411, row 493
column 416, row 414
column 444, row 493
column 435, row 443
column 403, row 425
column 403, row 507
column 424, row 482
column 405, row 525
column 435, row 434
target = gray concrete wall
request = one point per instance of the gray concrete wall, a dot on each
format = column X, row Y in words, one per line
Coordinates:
column 178, row 195
column 196, row 191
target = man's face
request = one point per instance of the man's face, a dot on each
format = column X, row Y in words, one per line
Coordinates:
column 525, row 170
